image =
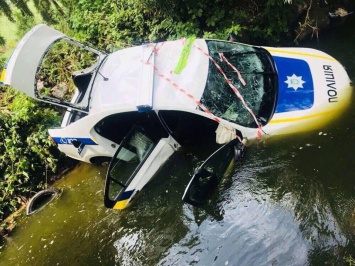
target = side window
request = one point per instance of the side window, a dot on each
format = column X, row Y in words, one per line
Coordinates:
column 188, row 128
column 65, row 74
column 115, row 127
column 207, row 177
column 126, row 162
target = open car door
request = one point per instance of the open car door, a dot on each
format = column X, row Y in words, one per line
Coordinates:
column 208, row 175
column 135, row 162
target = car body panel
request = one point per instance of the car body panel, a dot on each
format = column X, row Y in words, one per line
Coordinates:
column 134, row 163
column 130, row 72
column 331, row 89
column 21, row 69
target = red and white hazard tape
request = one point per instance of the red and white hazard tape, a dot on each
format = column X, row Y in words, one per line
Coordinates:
column 221, row 55
column 155, row 50
column 235, row 90
column 182, row 90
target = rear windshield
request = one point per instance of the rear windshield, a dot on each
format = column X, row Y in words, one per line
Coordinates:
column 251, row 70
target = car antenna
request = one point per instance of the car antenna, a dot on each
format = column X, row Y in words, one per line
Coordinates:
column 105, row 79
column 155, row 45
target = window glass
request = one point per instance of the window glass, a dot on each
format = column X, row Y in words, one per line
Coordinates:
column 127, row 161
column 256, row 69
column 207, row 177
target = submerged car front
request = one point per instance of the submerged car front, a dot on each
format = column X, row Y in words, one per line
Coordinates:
column 314, row 89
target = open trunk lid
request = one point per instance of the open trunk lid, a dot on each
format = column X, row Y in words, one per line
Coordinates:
column 21, row 68
column 28, row 68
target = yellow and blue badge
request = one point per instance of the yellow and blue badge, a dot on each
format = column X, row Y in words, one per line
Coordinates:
column 296, row 90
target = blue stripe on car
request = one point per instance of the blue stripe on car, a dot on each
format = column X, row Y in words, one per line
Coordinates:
column 68, row 140
column 126, row 195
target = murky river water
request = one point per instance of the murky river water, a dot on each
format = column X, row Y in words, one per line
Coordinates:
column 290, row 202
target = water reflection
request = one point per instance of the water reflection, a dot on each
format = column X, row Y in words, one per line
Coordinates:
column 290, row 202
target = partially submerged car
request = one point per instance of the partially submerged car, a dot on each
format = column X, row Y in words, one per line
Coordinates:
column 139, row 105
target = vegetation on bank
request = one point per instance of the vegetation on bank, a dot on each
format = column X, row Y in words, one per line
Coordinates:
column 27, row 156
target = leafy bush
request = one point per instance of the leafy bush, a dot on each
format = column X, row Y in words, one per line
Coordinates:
column 116, row 24
column 23, row 23
column 26, row 152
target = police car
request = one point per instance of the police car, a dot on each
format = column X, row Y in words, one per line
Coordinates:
column 135, row 107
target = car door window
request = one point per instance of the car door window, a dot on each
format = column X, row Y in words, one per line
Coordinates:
column 127, row 160
column 209, row 174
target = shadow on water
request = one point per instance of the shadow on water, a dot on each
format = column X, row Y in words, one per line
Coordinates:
column 291, row 201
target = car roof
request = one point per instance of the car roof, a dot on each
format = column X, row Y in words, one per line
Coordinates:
column 147, row 77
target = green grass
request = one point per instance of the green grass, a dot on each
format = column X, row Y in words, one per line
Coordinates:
column 8, row 30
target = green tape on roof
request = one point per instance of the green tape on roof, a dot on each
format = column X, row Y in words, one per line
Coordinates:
column 184, row 55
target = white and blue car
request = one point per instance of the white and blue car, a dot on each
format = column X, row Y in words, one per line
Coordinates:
column 139, row 105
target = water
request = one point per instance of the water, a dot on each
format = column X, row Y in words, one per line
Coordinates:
column 291, row 201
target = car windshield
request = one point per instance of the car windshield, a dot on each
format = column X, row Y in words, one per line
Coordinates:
column 252, row 72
